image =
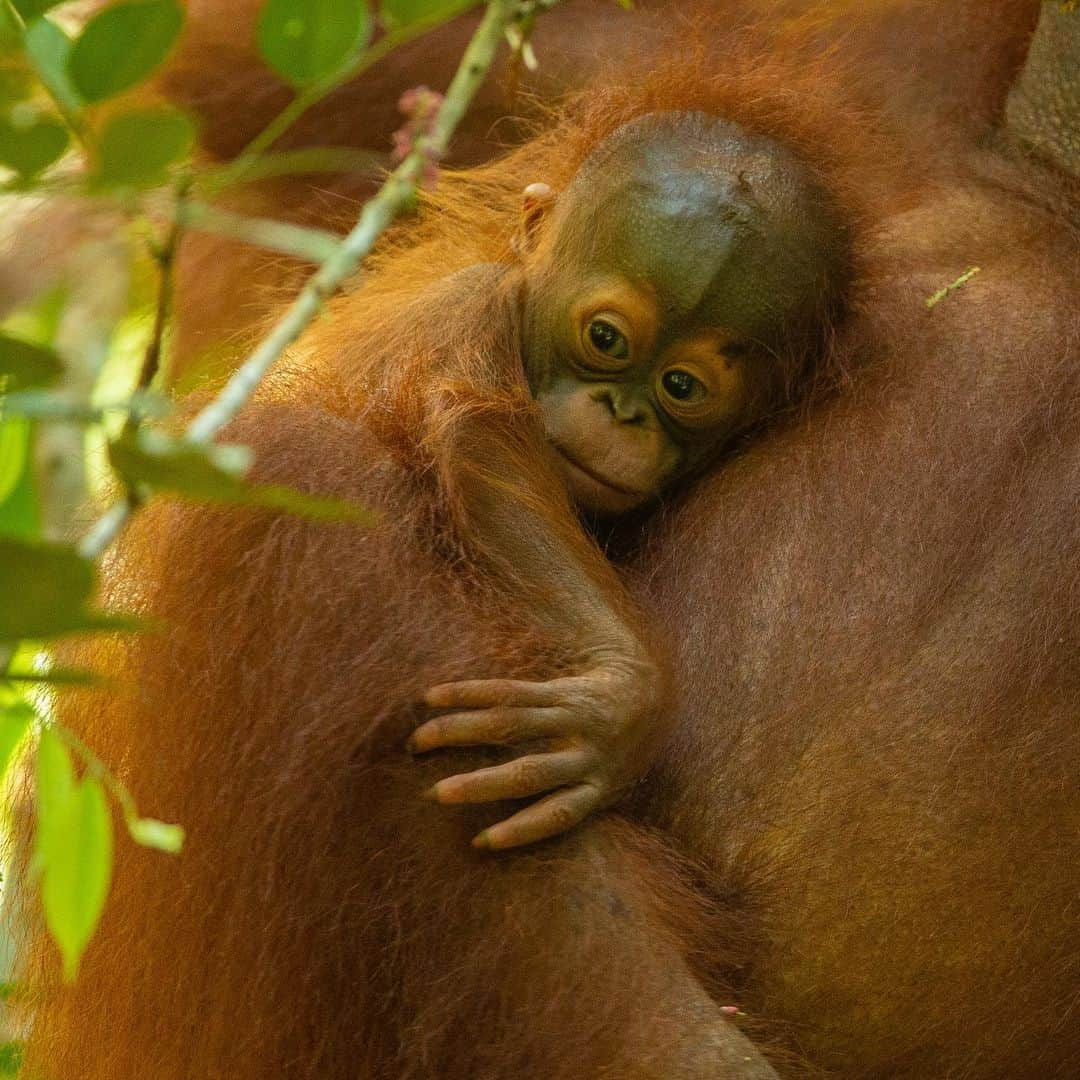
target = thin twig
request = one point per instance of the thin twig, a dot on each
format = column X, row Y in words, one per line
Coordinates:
column 107, row 527
column 963, row 279
column 165, row 256
column 99, row 771
column 303, row 161
column 378, row 213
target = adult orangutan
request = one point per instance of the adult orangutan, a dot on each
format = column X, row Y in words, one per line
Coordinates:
column 872, row 611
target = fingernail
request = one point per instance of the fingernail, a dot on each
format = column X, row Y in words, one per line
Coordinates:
column 482, row 841
column 432, row 794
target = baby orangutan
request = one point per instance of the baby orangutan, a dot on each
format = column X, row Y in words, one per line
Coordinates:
column 672, row 294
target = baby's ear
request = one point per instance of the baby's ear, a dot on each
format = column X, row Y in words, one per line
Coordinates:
column 536, row 201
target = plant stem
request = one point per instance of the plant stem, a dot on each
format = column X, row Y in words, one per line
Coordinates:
column 963, row 279
column 165, row 257
column 300, row 162
column 108, row 526
column 98, row 769
column 377, row 214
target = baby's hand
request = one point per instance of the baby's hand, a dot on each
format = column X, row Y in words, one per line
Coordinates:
column 598, row 730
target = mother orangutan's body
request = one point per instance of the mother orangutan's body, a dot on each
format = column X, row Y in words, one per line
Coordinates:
column 873, row 614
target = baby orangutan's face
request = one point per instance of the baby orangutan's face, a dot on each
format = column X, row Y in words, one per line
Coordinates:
column 633, row 399
column 651, row 303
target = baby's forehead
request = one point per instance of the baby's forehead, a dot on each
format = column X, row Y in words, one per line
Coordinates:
column 676, row 235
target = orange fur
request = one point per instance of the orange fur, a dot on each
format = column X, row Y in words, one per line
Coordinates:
column 873, row 614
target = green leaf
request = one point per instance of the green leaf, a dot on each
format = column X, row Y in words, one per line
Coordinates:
column 166, row 464
column 73, row 849
column 122, row 45
column 299, row 503
column 54, row 781
column 159, row 835
column 30, row 143
column 215, row 474
column 14, row 450
column 45, row 589
column 136, row 148
column 31, row 9
column 27, row 365
column 50, row 50
column 15, row 720
column 19, row 515
column 398, row 13
column 12, row 1053
column 306, row 40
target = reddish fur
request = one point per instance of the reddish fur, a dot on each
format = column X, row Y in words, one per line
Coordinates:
column 874, row 619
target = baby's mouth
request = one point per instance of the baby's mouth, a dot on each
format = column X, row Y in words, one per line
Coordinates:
column 594, row 476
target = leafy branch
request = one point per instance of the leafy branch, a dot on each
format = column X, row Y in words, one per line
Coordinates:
column 392, row 198
column 127, row 159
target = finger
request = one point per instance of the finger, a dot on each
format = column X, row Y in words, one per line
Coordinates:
column 489, row 727
column 487, row 693
column 517, row 779
column 554, row 814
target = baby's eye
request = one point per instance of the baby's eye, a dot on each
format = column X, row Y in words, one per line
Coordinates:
column 608, row 339
column 682, row 386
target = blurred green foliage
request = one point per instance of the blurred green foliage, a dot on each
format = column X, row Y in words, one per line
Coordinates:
column 122, row 45
column 306, row 40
